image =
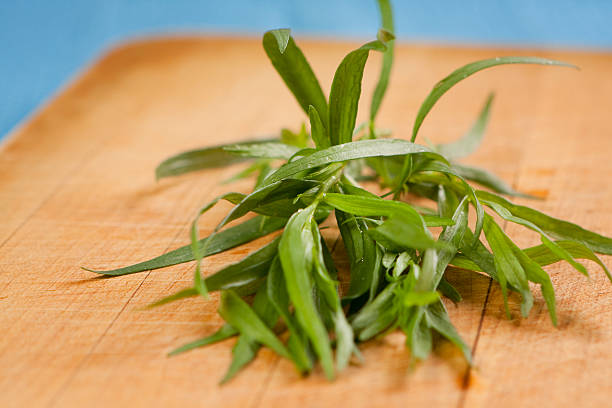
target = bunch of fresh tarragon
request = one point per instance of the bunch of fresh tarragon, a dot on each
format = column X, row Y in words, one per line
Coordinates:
column 285, row 295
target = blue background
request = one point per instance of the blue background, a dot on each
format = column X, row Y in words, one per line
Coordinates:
column 44, row 42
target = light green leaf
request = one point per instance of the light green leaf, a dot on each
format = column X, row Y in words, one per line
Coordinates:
column 329, row 289
column 263, row 150
column 468, row 144
column 487, row 179
column 419, row 298
column 243, row 353
column 199, row 159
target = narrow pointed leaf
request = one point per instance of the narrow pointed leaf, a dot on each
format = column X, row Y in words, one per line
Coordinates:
column 348, row 151
column 295, row 250
column 386, row 15
column 508, row 267
column 199, row 159
column 559, row 229
column 456, row 76
column 277, row 293
column 294, row 69
column 232, row 237
column 487, row 179
column 317, row 130
column 345, row 93
column 438, row 319
column 362, row 253
column 468, row 144
column 225, row 332
column 263, row 150
column 239, row 315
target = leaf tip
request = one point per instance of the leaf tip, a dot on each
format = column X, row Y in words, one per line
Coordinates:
column 282, row 36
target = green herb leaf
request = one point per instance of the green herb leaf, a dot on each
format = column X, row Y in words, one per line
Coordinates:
column 239, row 315
column 557, row 228
column 277, row 293
column 348, row 151
column 262, row 150
column 508, row 267
column 437, row 318
column 246, row 347
column 486, row 179
column 472, row 139
column 456, row 76
column 345, row 93
column 317, row 130
column 363, row 254
column 199, row 159
column 295, row 250
column 293, row 68
column 386, row 15
column 225, row 332
column 222, row 241
column 405, row 227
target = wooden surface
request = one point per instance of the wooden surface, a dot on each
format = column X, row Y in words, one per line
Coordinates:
column 77, row 188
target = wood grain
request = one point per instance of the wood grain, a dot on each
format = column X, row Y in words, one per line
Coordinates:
column 77, row 188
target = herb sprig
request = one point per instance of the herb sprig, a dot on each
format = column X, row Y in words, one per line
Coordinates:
column 397, row 265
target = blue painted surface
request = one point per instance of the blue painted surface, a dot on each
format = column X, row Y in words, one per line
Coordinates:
column 44, row 42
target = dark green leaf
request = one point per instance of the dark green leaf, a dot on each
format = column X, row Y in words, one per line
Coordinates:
column 362, row 253
column 232, row 237
column 295, row 250
column 449, row 290
column 239, row 315
column 317, row 130
column 277, row 293
column 292, row 66
column 345, row 93
column 246, row 271
column 386, row 15
column 404, row 226
column 246, row 347
column 225, row 332
column 438, row 319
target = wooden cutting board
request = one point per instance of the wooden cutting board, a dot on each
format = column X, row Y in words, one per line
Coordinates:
column 77, row 189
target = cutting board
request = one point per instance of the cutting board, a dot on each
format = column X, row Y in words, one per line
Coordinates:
column 77, row 188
